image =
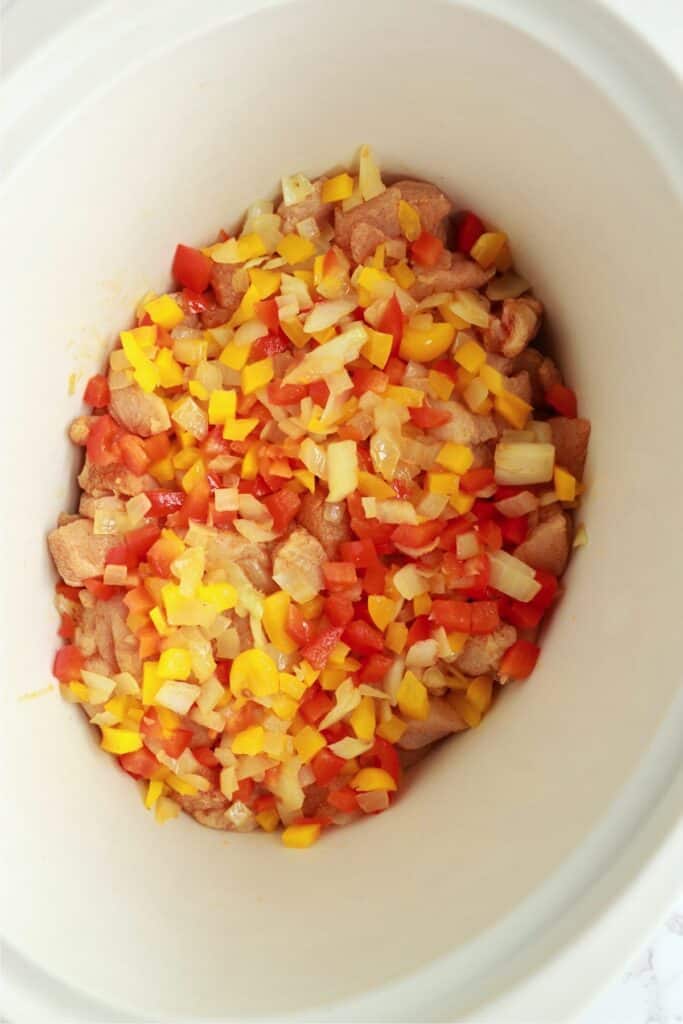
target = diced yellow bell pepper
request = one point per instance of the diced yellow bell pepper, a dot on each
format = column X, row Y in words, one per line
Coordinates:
column 382, row 610
column 457, row 641
column 238, row 430
column 469, row 712
column 378, row 257
column 184, row 611
column 284, row 707
column 295, row 249
column 337, row 188
column 175, row 663
column 291, row 686
column 145, row 371
column 151, row 682
column 249, row 741
column 238, row 250
column 255, row 671
column 377, row 348
column 275, row 613
column 461, row 502
column 162, row 470
column 268, row 820
column 186, row 439
column 117, row 706
column 295, row 332
column 182, row 786
column 222, row 405
column 471, row 355
column 305, row 477
column 308, row 742
column 513, row 409
column 403, row 275
column 79, row 690
column 397, row 634
column 565, row 484
column 371, row 486
column 119, row 741
column 221, row 596
column 165, row 810
column 331, row 678
column 493, row 379
column 247, row 307
column 479, row 692
column 198, row 390
column 155, row 789
column 424, row 344
column 312, row 609
column 165, row 312
column 392, row 729
column 409, row 220
column 195, row 474
column 170, row 371
column 443, row 483
column 363, row 719
column 504, row 258
column 186, row 458
column 458, row 458
column 256, row 375
column 234, row 356
column 339, row 653
column 300, row 837
column 422, row 604
column 371, row 780
column 411, row 397
column 412, row 697
column 488, row 247
column 159, row 621
column 441, row 385
column 266, row 282
column 250, row 463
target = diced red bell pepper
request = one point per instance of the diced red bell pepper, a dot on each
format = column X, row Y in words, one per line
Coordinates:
column 317, row 651
column 134, row 454
column 514, row 529
column 223, row 672
column 101, row 444
column 243, row 718
column 449, row 534
column 416, row 537
column 70, row 593
column 267, row 312
column 392, row 321
column 140, row 540
column 469, row 230
column 191, row 268
column 339, row 575
column 484, row 510
column 319, row 392
column 141, row 764
column 67, row 627
column 476, row 479
column 375, row 668
column 519, row 660
column 426, row 249
column 420, row 629
column 363, row 638
column 244, row 792
column 549, row 589
column 374, row 579
column 344, row 800
column 196, row 504
column 286, row 394
column 485, row 617
column 395, row 369
column 157, row 446
column 265, row 802
column 100, row 590
column 427, row 418
column 269, row 345
column 97, row 392
column 299, row 628
column 490, row 534
column 196, row 302
column 165, row 502
column 369, row 379
column 177, row 741
column 477, row 571
column 562, row 400
column 283, row 506
column 521, row 615
column 361, row 553
column 326, row 766
column 68, row 663
column 339, row 609
column 315, row 705
column 383, row 755
column 371, row 529
column 452, row 614
column 206, row 756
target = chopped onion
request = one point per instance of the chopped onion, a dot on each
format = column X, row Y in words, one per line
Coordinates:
column 524, row 463
column 512, row 576
column 475, row 394
column 118, row 361
column 251, row 508
column 250, row 332
column 395, row 249
column 434, row 679
column 100, row 687
column 373, row 802
column 115, row 575
column 228, row 781
column 211, row 692
column 548, row 498
column 327, row 314
column 422, row 654
column 137, row 508
column 253, row 766
column 467, row 545
column 127, row 684
column 308, row 228
column 518, row 505
column 431, row 301
column 395, row 510
column 177, row 696
column 254, row 532
column 393, row 679
column 470, row 306
column 347, row 697
column 290, row 285
column 314, row 458
column 330, row 357
column 371, row 691
column 410, row 582
column 340, row 382
column 296, row 188
column 508, row 286
column 580, row 537
column 287, row 307
column 226, row 499
column 432, row 505
column 349, row 747
column 119, row 379
column 518, row 436
column 267, row 227
column 370, row 181
column 369, row 507
column 228, row 644
column 107, row 518
column 342, row 469
column 191, row 418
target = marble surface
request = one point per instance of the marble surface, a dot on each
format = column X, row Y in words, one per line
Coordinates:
column 651, row 989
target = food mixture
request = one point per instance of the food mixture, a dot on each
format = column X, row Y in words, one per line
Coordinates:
column 326, row 504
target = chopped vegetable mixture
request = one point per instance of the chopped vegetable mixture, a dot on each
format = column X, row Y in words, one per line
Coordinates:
column 326, row 504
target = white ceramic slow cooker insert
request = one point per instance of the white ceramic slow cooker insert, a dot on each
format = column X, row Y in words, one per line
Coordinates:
column 483, row 890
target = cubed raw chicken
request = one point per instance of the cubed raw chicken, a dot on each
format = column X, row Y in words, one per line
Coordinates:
column 225, row 547
column 228, row 290
column 570, row 438
column 453, row 272
column 327, row 521
column 77, row 552
column 113, row 479
column 464, row 427
column 482, row 655
column 547, row 546
column 311, row 208
column 518, row 324
column 297, row 567
column 139, row 411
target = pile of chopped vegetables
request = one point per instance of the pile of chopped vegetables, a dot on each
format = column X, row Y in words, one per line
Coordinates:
column 326, row 503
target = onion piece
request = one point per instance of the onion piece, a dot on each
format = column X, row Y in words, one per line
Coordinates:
column 370, row 182
column 115, row 575
column 518, row 505
column 296, row 188
column 327, row 314
column 422, row 654
column 467, row 545
column 330, row 357
column 191, row 418
column 395, row 510
column 226, row 499
column 508, row 286
column 290, row 285
column 308, row 228
column 255, row 532
column 410, row 582
column 314, row 458
column 524, row 463
column 512, row 576
column 250, row 332
column 347, row 697
column 177, row 696
column 349, row 747
column 542, row 431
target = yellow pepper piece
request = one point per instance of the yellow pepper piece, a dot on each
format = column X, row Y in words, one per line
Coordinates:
column 255, row 671
column 441, row 384
column 412, row 397
column 371, row 780
column 488, row 247
column 79, row 690
column 456, row 641
column 337, row 188
column 238, row 250
column 159, row 621
column 198, row 390
column 151, row 682
column 422, row 604
column 247, row 307
column 117, row 706
column 330, row 678
column 295, row 332
column 312, row 609
column 413, row 698
column 339, row 653
column 397, row 634
column 461, row 502
column 268, row 820
column 392, row 729
column 266, row 282
column 409, row 220
column 180, row 785
column 458, row 458
column 165, row 312
column 165, row 810
column 222, row 405
column 308, row 742
column 185, row 458
column 493, row 379
column 422, row 344
column 275, row 612
column 403, row 275
column 305, row 477
column 145, row 372
column 443, row 483
column 170, row 371
column 195, row 474
column 305, row 275
column 234, row 356
column 295, row 249
column 377, row 348
column 363, row 719
column 450, row 317
column 378, row 257
column 471, row 356
column 469, row 712
column 238, row 430
column 174, row 663
column 162, row 470
column 250, row 463
column 284, row 707
column 155, row 789
column 479, row 692
column 513, row 409
column 119, row 741
column 565, row 484
column 504, row 258
column 291, row 686
column 382, row 610
column 300, row 837
column 220, row 596
column 371, row 486
column 257, row 375
column 249, row 741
